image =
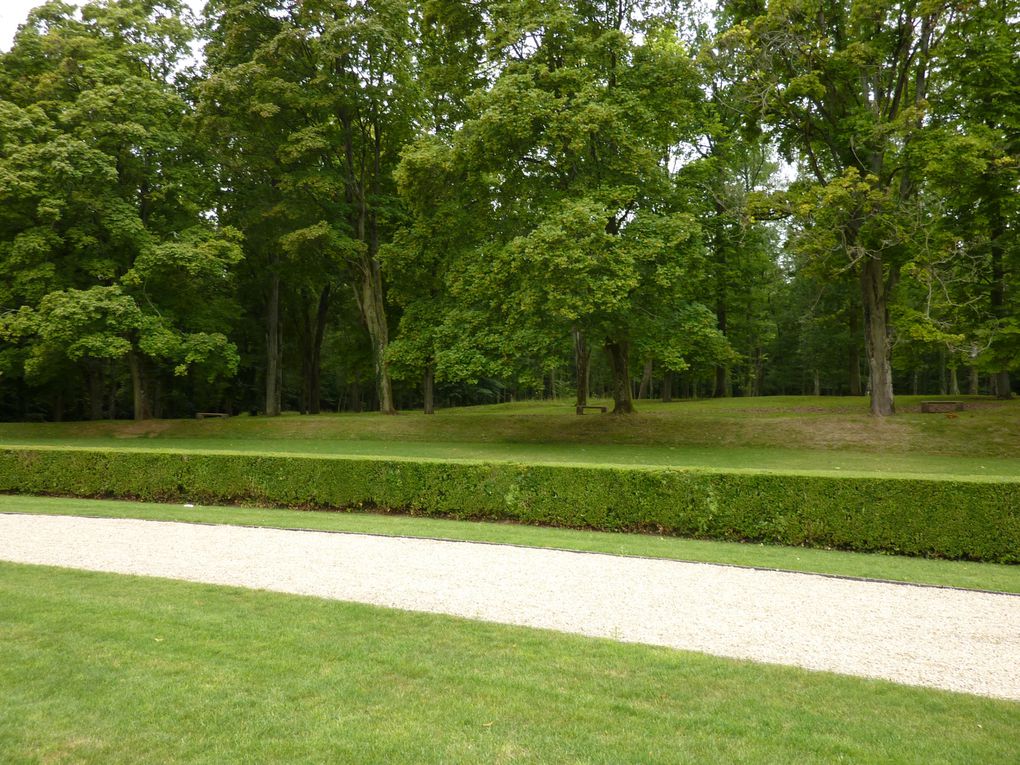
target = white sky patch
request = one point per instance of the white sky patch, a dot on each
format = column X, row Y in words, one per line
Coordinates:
column 13, row 14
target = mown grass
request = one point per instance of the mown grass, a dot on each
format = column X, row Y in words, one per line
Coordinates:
column 781, row 433
column 98, row 668
column 984, row 576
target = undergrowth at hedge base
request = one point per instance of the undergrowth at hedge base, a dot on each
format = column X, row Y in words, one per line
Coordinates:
column 907, row 516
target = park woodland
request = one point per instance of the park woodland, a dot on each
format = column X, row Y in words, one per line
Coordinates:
column 318, row 205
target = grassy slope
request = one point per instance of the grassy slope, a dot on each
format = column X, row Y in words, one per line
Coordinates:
column 985, row 576
column 97, row 668
column 829, row 433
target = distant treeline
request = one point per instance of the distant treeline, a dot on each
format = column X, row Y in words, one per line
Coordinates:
column 393, row 204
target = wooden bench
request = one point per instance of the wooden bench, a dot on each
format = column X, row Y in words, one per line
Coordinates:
column 930, row 407
column 580, row 409
column 203, row 415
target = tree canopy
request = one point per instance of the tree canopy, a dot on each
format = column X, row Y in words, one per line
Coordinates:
column 399, row 203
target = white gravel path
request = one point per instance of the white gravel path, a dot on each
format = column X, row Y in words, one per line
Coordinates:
column 942, row 638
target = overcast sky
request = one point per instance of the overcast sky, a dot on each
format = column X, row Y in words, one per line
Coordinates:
column 14, row 12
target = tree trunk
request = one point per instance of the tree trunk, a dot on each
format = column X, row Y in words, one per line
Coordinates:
column 974, row 382
column 876, row 336
column 549, row 385
column 943, row 377
column 618, row 352
column 721, row 378
column 854, row 355
column 816, row 388
column 667, row 386
column 273, row 371
column 646, row 381
column 954, row 382
column 1002, row 385
column 140, row 400
column 428, row 388
column 374, row 312
column 313, row 384
column 582, row 366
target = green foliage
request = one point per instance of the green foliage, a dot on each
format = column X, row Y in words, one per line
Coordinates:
column 502, row 188
column 569, row 148
column 969, row 520
column 104, row 250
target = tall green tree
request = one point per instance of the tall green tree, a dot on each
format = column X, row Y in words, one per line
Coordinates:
column 976, row 177
column 311, row 104
column 845, row 88
column 102, row 201
column 565, row 166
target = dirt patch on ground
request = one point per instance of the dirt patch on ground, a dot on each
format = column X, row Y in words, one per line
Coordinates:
column 861, row 434
column 767, row 410
column 967, row 406
column 143, row 429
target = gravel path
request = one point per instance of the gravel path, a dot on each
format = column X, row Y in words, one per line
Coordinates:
column 942, row 638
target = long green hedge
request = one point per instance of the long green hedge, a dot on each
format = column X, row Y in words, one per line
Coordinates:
column 936, row 518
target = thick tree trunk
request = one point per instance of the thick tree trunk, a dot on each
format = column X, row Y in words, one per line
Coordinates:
column 273, row 371
column 140, row 401
column 582, row 367
column 667, row 386
column 428, row 388
column 877, row 345
column 313, row 385
column 618, row 352
column 722, row 382
column 854, row 355
column 973, row 382
column 954, row 382
column 373, row 310
column 816, row 387
column 646, row 380
column 1002, row 385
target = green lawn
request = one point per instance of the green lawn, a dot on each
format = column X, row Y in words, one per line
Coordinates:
column 99, row 668
column 985, row 576
column 791, row 433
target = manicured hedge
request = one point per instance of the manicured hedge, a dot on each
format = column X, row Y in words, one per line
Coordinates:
column 948, row 519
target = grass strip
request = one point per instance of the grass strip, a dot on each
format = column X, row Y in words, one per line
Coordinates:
column 954, row 519
column 99, row 668
column 966, row 574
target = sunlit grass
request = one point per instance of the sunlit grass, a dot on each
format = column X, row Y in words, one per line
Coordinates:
column 99, row 668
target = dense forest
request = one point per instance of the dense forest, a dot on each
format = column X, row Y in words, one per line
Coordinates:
column 384, row 204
